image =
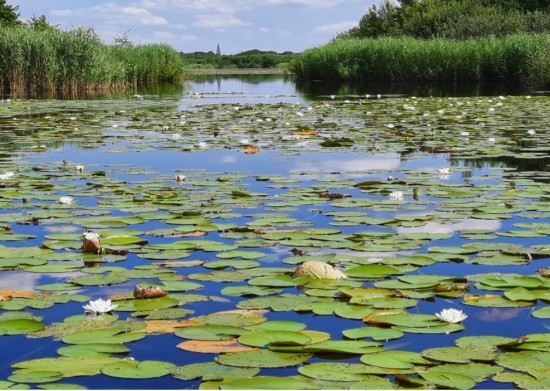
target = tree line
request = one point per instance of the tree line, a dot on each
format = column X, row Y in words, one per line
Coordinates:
column 248, row 59
column 453, row 19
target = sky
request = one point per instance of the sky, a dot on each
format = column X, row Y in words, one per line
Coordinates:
column 200, row 25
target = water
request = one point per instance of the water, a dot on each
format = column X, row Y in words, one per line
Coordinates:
column 137, row 152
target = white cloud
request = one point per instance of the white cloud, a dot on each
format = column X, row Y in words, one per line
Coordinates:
column 384, row 161
column 335, row 27
column 188, row 37
column 218, row 21
column 163, row 35
column 263, row 30
column 222, row 6
column 307, row 3
column 141, row 16
column 435, row 228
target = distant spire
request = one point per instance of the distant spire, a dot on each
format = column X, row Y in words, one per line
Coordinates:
column 218, row 50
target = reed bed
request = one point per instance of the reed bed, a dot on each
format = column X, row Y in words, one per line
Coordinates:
column 54, row 61
column 521, row 58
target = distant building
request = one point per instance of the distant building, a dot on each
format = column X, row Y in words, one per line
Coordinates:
column 218, row 53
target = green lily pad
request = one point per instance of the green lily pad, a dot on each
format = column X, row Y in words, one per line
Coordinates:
column 262, row 338
column 20, row 326
column 146, row 304
column 24, row 376
column 394, row 359
column 102, row 335
column 269, row 383
column 129, row 369
column 96, row 349
column 262, row 359
column 376, row 333
column 209, row 332
column 212, row 371
column 449, row 380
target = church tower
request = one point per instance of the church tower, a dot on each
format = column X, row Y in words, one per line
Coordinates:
column 218, row 53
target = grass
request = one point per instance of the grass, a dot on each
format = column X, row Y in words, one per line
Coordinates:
column 516, row 58
column 54, row 61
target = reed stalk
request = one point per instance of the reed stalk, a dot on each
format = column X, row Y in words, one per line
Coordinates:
column 34, row 62
column 521, row 58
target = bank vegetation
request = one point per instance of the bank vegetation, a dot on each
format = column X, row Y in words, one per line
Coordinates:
column 439, row 41
column 49, row 61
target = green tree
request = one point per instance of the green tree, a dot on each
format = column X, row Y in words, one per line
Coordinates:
column 8, row 14
column 381, row 20
column 40, row 23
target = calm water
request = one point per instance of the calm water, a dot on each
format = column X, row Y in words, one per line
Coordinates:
column 269, row 89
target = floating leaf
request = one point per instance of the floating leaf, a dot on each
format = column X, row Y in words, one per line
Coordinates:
column 449, row 380
column 269, row 382
column 212, row 371
column 262, row 359
column 129, row 369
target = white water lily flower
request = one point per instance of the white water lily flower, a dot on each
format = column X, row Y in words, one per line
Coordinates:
column 90, row 235
column 99, row 306
column 7, row 175
column 531, row 132
column 464, row 134
column 202, row 144
column 79, row 168
column 451, row 315
column 444, row 170
column 66, row 200
column 492, row 140
column 396, row 195
column 245, row 141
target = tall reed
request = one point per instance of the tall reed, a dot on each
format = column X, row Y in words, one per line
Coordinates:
column 514, row 58
column 53, row 61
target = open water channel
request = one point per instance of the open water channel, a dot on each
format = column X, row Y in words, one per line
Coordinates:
column 218, row 191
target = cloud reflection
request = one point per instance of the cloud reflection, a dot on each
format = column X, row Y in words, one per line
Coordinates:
column 384, row 161
column 437, row 228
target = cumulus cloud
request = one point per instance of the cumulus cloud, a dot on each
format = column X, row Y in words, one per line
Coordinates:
column 384, row 161
column 163, row 35
column 218, row 21
column 307, row 3
column 188, row 37
column 222, row 6
column 335, row 27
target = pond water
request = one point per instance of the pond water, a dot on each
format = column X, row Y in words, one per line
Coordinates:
column 426, row 202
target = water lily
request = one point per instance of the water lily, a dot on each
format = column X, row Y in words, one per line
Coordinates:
column 451, row 315
column 202, row 144
column 492, row 140
column 531, row 132
column 79, row 168
column 6, row 175
column 66, row 200
column 396, row 195
column 99, row 306
column 91, row 243
column 444, row 172
column 180, row 178
column 90, row 235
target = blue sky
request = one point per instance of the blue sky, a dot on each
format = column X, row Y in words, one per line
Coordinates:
column 199, row 25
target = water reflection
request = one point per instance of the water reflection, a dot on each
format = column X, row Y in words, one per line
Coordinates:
column 320, row 89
